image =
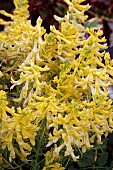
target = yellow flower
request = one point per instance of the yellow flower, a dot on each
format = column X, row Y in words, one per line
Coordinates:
column 51, row 162
column 77, row 10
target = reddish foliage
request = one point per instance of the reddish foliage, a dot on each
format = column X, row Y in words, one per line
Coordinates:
column 7, row 6
column 102, row 9
column 46, row 9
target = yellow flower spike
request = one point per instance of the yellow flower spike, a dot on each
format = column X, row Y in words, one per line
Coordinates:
column 19, row 35
column 77, row 11
column 21, row 7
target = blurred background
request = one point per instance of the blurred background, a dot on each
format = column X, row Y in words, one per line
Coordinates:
column 100, row 14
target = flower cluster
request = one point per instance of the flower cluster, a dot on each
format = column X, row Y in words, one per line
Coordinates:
column 16, row 127
column 62, row 79
column 17, row 39
column 51, row 162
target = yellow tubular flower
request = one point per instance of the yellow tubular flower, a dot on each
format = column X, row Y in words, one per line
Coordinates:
column 76, row 10
column 52, row 162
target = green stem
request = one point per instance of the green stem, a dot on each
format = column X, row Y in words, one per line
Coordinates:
column 38, row 150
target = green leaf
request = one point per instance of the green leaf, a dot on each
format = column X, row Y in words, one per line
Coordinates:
column 102, row 159
column 94, row 22
column 111, row 165
column 101, row 147
column 84, row 162
column 5, row 165
column 72, row 168
column 89, row 154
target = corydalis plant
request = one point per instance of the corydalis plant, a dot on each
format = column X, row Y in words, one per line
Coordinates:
column 64, row 81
